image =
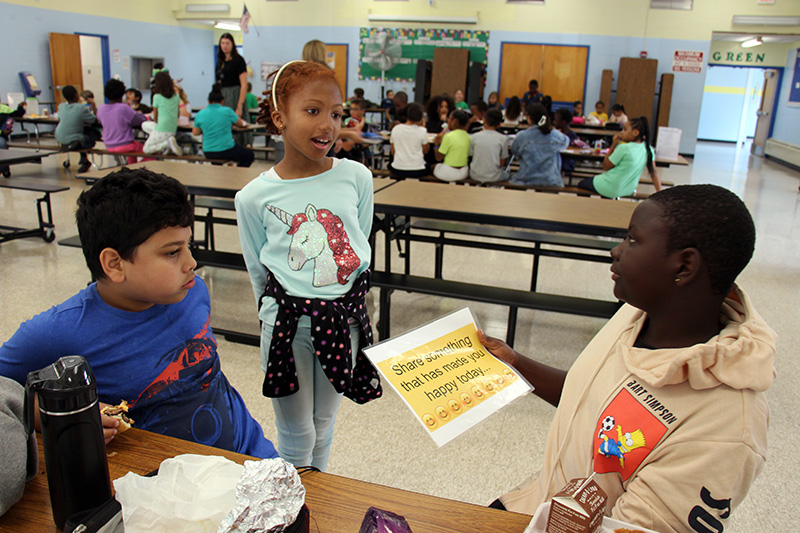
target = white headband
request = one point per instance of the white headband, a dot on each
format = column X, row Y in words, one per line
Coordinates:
column 275, row 81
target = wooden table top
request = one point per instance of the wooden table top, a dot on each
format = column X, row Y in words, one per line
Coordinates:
column 337, row 504
column 589, row 153
column 527, row 209
column 208, row 180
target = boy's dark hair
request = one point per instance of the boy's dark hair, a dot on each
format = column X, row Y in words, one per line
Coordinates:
column 359, row 92
column 401, row 114
column 493, row 118
column 158, row 66
column 481, row 105
column 86, row 93
column 600, row 102
column 401, row 97
column 716, row 222
column 534, row 83
column 69, row 93
column 137, row 94
column 359, row 102
column 414, row 112
column 461, row 117
column 124, row 209
column 114, row 90
column 577, row 102
column 249, row 87
column 216, row 96
column 618, row 107
column 565, row 113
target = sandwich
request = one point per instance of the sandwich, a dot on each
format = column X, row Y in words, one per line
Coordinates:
column 120, row 413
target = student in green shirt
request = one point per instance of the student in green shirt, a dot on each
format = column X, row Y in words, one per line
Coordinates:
column 628, row 156
column 166, row 104
column 214, row 124
column 452, row 148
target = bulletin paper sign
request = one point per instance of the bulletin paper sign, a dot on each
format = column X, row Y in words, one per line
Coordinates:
column 445, row 375
column 687, row 61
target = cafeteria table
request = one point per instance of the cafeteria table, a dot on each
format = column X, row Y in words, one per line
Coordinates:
column 337, row 504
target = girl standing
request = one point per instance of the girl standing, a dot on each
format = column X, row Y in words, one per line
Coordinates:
column 161, row 131
column 231, row 74
column 304, row 228
column 538, row 149
column 629, row 154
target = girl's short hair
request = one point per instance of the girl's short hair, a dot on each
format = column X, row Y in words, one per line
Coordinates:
column 163, row 85
column 114, row 90
column 294, row 75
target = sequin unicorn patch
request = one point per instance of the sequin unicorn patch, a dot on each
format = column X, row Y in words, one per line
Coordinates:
column 319, row 235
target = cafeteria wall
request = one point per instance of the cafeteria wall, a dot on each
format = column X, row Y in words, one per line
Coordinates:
column 787, row 117
column 187, row 50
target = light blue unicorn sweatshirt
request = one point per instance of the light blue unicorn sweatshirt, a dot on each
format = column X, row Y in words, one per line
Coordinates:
column 311, row 233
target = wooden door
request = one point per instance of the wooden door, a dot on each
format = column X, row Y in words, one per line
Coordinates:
column 765, row 117
column 65, row 63
column 636, row 87
column 337, row 54
column 564, row 72
column 520, row 63
column 450, row 70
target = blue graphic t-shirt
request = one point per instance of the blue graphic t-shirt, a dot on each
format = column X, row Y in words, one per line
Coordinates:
column 163, row 361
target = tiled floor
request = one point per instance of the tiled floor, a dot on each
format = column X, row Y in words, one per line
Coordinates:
column 380, row 442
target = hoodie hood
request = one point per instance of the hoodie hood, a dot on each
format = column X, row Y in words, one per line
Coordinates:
column 741, row 356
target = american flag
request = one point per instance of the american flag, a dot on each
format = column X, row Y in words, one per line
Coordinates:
column 244, row 20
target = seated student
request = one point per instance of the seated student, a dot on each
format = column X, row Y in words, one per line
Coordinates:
column 7, row 116
column 629, row 154
column 214, row 124
column 166, row 105
column 538, row 150
column 118, row 121
column 133, row 97
column 618, row 115
column 399, row 101
column 19, row 456
column 74, row 130
column 409, row 145
column 478, row 108
column 493, row 102
column 577, row 112
column 348, row 146
column 388, row 101
column 489, row 150
column 598, row 116
column 452, row 149
column 438, row 111
column 458, row 98
column 143, row 325
column 87, row 99
column 667, row 404
column 358, row 94
column 512, row 114
column 561, row 122
column 533, row 96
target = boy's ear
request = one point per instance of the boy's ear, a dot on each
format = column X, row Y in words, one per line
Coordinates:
column 112, row 265
column 690, row 266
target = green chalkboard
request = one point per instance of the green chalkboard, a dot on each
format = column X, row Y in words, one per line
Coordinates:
column 419, row 44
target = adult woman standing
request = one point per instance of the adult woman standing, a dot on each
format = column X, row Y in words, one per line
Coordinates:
column 231, row 74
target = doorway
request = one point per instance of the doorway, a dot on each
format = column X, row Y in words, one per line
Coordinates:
column 731, row 103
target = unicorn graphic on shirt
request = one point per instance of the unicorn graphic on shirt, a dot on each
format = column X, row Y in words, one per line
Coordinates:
column 319, row 235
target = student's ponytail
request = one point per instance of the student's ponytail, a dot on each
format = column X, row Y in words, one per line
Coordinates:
column 643, row 127
column 538, row 115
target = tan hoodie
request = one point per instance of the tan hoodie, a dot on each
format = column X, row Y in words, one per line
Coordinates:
column 676, row 436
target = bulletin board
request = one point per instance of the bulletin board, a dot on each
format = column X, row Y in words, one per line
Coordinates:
column 420, row 44
column 794, row 88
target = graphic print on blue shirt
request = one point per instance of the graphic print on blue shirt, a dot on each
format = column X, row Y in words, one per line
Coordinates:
column 189, row 399
column 319, row 235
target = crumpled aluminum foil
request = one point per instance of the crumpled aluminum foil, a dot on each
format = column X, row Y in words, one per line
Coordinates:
column 269, row 496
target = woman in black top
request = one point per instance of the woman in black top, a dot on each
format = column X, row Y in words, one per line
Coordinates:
column 231, row 74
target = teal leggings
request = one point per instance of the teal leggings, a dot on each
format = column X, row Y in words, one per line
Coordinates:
column 305, row 419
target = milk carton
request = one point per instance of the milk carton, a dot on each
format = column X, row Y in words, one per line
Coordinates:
column 578, row 508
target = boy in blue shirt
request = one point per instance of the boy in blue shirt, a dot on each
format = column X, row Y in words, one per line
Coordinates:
column 214, row 124
column 144, row 324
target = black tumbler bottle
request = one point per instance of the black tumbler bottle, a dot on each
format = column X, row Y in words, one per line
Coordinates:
column 72, row 435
